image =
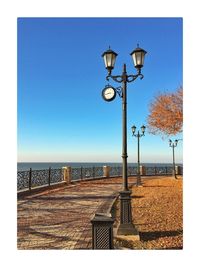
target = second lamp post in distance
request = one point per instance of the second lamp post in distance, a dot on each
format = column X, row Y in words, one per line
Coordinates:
column 138, row 135
column 173, row 145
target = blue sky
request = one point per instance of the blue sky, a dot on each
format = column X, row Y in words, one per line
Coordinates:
column 61, row 114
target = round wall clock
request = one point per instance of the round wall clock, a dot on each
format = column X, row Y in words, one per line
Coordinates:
column 109, row 93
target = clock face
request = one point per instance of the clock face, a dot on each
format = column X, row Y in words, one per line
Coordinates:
column 109, row 93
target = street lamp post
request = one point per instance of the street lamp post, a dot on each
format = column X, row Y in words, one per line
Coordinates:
column 138, row 135
column 173, row 145
column 126, row 226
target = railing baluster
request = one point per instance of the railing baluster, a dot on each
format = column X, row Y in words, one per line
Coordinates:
column 81, row 173
column 30, row 178
column 49, row 178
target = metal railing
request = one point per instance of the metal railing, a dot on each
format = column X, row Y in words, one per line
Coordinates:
column 34, row 178
column 81, row 173
column 158, row 170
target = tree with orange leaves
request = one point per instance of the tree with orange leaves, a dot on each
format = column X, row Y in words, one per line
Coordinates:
column 166, row 113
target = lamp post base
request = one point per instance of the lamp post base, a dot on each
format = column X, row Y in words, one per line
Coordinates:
column 174, row 174
column 139, row 182
column 128, row 229
column 126, row 226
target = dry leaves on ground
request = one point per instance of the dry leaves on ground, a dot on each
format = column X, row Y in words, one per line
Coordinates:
column 157, row 214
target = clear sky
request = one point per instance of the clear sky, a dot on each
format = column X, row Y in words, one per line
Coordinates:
column 61, row 114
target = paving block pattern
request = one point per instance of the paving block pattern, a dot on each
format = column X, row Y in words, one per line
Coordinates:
column 60, row 219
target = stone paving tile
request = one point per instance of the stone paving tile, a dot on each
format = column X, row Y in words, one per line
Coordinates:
column 61, row 219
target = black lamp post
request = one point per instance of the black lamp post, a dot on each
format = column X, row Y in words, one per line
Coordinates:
column 138, row 135
column 109, row 93
column 173, row 145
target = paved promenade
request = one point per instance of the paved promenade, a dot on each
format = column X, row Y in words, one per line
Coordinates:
column 60, row 219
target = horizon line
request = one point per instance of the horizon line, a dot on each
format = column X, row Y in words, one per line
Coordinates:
column 93, row 162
